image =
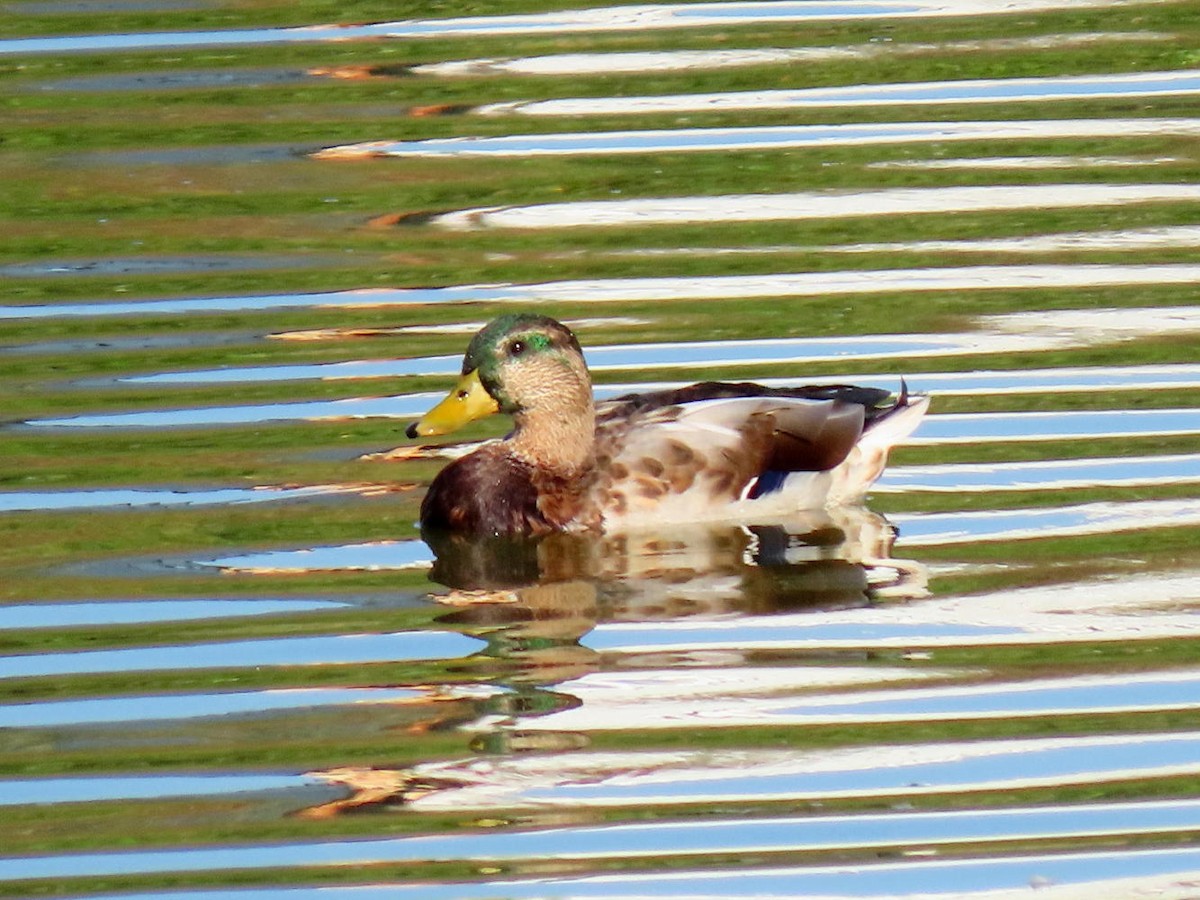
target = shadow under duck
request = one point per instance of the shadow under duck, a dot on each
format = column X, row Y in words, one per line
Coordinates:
column 709, row 451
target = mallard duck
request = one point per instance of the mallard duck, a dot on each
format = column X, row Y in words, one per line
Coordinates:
column 711, row 451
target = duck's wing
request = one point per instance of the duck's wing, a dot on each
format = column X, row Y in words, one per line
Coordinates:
column 712, row 443
column 632, row 404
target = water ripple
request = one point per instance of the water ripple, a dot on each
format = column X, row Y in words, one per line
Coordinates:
column 992, row 90
column 915, row 530
column 343, row 649
column 926, row 878
column 636, row 778
column 799, row 206
column 1151, row 871
column 129, row 612
column 141, row 498
column 46, row 791
column 978, row 702
column 174, row 707
column 602, row 19
column 1052, row 474
column 607, row 290
column 777, row 137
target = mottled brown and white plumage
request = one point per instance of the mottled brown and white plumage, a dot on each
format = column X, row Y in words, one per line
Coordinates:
column 711, row 451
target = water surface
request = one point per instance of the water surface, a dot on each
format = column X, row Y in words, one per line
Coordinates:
column 600, row 19
column 232, row 664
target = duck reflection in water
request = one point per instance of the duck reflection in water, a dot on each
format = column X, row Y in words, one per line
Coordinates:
column 538, row 596
column 534, row 598
column 821, row 559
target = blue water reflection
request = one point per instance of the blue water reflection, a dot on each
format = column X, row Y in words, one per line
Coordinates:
column 108, row 710
column 766, row 137
column 1140, row 84
column 409, row 406
column 1059, row 425
column 91, row 43
column 1048, row 474
column 886, row 770
column 138, row 498
column 567, row 21
column 768, row 11
column 941, row 878
column 969, row 526
column 771, row 633
column 131, row 612
column 374, row 557
column 683, row 838
column 1132, row 692
column 718, row 287
column 44, row 791
column 345, row 649
column 193, row 305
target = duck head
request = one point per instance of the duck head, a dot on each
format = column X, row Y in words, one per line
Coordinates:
column 528, row 366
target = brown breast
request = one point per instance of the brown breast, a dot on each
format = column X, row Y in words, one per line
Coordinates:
column 492, row 492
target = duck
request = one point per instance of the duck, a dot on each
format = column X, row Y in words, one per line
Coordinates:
column 712, row 451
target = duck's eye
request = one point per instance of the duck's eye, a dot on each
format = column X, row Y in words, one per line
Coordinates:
column 463, row 394
column 516, row 348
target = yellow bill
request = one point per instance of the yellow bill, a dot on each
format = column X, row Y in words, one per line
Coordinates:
column 467, row 402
